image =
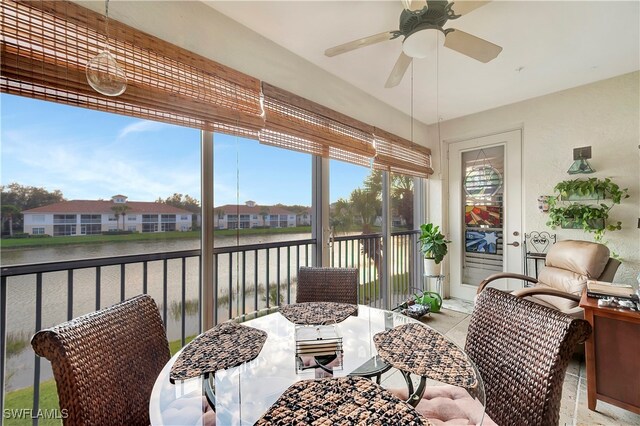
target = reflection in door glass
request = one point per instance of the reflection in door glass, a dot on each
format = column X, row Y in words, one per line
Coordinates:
column 483, row 212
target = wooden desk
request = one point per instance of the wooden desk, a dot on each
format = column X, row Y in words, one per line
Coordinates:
column 613, row 355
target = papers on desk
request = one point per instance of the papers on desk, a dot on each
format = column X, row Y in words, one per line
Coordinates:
column 601, row 289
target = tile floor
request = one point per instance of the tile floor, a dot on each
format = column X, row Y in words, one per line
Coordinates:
column 453, row 322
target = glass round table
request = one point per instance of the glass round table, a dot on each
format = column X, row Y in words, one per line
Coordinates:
column 242, row 394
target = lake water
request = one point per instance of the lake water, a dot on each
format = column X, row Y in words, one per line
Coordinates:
column 21, row 291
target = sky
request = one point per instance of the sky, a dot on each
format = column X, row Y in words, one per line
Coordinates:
column 92, row 155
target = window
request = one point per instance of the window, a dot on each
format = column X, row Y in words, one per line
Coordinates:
column 149, row 227
column 90, row 218
column 168, row 226
column 60, row 230
column 184, row 217
column 112, row 218
column 37, row 231
column 132, row 218
column 131, row 228
column 483, row 215
column 166, row 218
column 37, row 218
column 149, row 218
column 64, row 218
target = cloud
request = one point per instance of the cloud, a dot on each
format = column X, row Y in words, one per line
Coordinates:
column 139, row 127
column 94, row 170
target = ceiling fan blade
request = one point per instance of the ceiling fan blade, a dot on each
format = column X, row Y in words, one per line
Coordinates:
column 464, row 7
column 414, row 4
column 356, row 44
column 472, row 46
column 398, row 70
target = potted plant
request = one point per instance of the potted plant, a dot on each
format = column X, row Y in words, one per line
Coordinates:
column 433, row 246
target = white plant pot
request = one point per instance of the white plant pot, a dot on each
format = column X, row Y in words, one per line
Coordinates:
column 431, row 267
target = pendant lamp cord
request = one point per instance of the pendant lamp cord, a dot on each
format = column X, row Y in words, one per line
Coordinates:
column 106, row 23
column 411, row 101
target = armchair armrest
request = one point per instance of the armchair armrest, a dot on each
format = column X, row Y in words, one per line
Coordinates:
column 524, row 292
column 501, row 275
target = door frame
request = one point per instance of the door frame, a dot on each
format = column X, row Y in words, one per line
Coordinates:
column 446, row 196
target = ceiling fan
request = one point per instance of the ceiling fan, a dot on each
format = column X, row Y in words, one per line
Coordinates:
column 416, row 43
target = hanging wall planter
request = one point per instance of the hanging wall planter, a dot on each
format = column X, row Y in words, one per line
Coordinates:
column 589, row 217
column 596, row 224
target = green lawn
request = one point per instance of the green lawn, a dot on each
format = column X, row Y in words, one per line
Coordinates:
column 11, row 243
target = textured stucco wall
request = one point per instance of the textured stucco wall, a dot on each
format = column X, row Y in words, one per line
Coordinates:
column 604, row 115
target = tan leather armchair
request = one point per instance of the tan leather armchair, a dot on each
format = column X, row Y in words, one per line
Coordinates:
column 568, row 266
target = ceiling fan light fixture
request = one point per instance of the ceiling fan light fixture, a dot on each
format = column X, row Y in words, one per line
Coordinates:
column 420, row 44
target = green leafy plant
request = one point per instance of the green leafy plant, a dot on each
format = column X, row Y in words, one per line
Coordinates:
column 433, row 244
column 593, row 188
column 591, row 218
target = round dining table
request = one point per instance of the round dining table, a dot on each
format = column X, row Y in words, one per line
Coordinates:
column 240, row 395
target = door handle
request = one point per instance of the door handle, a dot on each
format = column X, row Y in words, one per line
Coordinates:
column 515, row 244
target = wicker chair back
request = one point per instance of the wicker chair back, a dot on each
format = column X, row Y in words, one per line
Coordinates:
column 105, row 363
column 327, row 285
column 522, row 350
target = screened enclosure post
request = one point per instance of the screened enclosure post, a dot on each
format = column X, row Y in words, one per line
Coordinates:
column 320, row 211
column 207, row 284
column 385, row 287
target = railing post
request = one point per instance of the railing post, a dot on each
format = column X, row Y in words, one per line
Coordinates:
column 3, row 337
column 36, row 368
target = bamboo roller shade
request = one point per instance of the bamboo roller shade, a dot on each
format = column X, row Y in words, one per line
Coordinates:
column 47, row 44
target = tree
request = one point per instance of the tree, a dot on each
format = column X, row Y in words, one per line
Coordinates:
column 366, row 204
column 120, row 210
column 27, row 197
column 341, row 216
column 180, row 201
column 264, row 212
column 9, row 212
column 402, row 197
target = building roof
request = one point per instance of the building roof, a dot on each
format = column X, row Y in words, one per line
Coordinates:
column 244, row 209
column 104, row 207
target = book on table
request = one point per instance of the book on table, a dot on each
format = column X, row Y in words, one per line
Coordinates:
column 601, row 289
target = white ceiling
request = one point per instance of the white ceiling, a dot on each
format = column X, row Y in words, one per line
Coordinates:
column 548, row 46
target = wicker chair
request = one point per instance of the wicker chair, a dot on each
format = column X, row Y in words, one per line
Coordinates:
column 327, row 285
column 522, row 350
column 105, row 363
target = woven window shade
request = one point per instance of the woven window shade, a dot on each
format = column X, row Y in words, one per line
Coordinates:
column 399, row 155
column 296, row 123
column 47, row 44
